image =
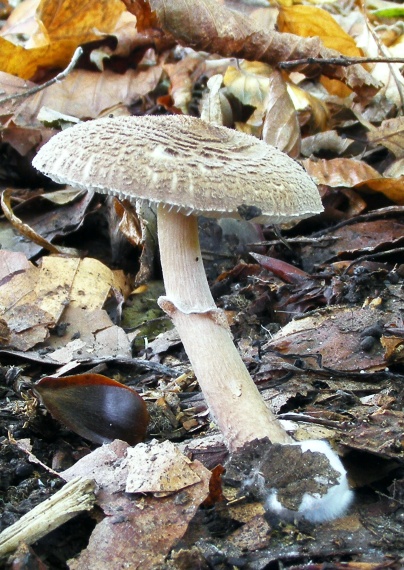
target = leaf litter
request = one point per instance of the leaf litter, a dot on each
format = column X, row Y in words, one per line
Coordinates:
column 316, row 312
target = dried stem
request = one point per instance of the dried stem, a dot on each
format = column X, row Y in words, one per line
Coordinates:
column 59, row 77
column 340, row 60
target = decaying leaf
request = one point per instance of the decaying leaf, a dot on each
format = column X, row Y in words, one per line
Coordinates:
column 335, row 338
column 22, row 228
column 340, row 171
column 158, row 468
column 394, row 346
column 138, row 528
column 381, row 433
column 180, row 75
column 281, row 126
column 391, row 135
column 250, row 82
column 255, row 84
column 33, row 301
column 98, row 92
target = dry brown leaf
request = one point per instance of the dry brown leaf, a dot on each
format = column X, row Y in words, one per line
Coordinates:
column 329, row 141
column 22, row 139
column 206, row 25
column 10, row 85
column 128, row 221
column 352, row 173
column 158, row 468
column 340, row 171
column 126, row 34
column 87, row 334
column 365, row 236
column 91, row 284
column 53, row 288
column 143, row 530
column 275, row 119
column 281, row 127
column 12, row 262
column 24, row 229
column 20, row 311
column 336, row 337
column 33, row 301
column 49, row 221
column 255, row 534
column 138, row 528
column 394, row 347
column 22, row 22
column 97, row 92
column 180, row 76
column 144, row 16
column 395, row 169
column 380, row 433
column 391, row 135
column 350, row 241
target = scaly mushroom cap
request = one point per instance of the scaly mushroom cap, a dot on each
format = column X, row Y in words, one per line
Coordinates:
column 181, row 161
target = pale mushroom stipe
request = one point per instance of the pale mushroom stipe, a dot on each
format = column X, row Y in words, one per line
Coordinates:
column 189, row 167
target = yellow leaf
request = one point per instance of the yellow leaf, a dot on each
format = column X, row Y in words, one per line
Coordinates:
column 62, row 27
column 249, row 82
column 75, row 22
column 393, row 188
column 309, row 21
column 304, row 101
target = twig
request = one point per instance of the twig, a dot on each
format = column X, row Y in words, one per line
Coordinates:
column 75, row 497
column 341, row 61
column 375, row 255
column 59, row 77
column 316, row 420
column 387, row 211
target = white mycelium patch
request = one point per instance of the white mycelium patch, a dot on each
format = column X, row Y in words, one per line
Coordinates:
column 317, row 508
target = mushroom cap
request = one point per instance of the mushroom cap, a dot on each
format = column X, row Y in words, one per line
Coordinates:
column 184, row 162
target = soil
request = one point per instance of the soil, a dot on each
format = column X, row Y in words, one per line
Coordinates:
column 310, row 393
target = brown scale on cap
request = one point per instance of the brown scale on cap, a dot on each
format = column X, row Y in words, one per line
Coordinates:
column 189, row 166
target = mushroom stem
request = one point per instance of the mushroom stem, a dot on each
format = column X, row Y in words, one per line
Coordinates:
column 230, row 393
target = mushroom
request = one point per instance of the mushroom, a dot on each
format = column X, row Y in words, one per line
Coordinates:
column 189, row 167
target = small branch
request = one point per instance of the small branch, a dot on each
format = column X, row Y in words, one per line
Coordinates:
column 372, row 256
column 75, row 497
column 341, row 61
column 59, row 77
